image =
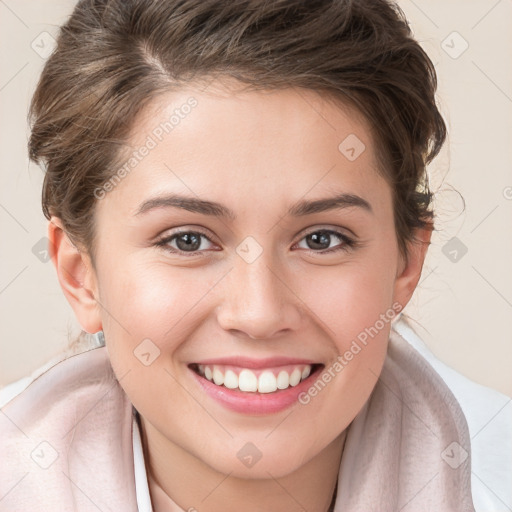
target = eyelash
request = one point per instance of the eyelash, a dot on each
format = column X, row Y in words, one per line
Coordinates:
column 348, row 243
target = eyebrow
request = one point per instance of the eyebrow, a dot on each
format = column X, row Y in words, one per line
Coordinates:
column 299, row 209
column 337, row 202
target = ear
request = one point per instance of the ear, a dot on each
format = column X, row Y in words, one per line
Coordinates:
column 76, row 277
column 409, row 271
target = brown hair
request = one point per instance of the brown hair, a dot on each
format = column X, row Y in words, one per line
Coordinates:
column 114, row 56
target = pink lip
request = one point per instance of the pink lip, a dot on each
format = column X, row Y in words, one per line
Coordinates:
column 255, row 403
column 256, row 364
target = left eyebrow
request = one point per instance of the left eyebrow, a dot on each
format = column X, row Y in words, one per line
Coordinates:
column 329, row 203
column 299, row 209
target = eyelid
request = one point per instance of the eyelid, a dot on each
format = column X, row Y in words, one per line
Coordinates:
column 171, row 232
column 331, row 228
column 165, row 239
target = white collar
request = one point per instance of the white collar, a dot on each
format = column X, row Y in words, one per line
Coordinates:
column 141, row 479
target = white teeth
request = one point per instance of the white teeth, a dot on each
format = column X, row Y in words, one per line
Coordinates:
column 267, row 383
column 218, row 376
column 231, row 379
column 295, row 377
column 283, row 380
column 247, row 381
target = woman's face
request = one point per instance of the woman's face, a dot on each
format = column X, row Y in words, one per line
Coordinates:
column 251, row 242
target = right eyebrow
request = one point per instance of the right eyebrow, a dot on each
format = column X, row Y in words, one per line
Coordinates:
column 191, row 204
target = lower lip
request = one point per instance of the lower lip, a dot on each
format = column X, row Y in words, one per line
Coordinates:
column 255, row 403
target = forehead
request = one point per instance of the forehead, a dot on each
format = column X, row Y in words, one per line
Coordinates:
column 227, row 144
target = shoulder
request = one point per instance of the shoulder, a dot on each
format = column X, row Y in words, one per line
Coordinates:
column 56, row 393
column 57, row 372
column 489, row 417
column 9, row 391
column 56, row 437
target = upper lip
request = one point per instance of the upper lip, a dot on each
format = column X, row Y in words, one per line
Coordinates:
column 246, row 362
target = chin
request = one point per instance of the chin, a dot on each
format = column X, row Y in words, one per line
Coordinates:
column 260, row 458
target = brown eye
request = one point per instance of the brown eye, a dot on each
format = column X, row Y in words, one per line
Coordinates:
column 185, row 242
column 188, row 241
column 322, row 240
column 319, row 240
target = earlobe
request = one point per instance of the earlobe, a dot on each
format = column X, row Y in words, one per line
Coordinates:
column 76, row 277
column 410, row 271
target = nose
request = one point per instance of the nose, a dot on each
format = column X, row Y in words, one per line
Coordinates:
column 258, row 301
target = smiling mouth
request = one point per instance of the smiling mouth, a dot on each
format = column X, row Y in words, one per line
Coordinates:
column 271, row 380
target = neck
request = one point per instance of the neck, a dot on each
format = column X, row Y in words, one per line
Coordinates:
column 310, row 487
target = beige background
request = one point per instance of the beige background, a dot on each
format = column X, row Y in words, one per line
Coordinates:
column 464, row 303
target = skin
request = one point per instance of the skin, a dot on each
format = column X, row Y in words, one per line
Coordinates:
column 257, row 153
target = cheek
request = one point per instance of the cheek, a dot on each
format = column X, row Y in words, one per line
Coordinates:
column 147, row 317
column 353, row 306
column 348, row 298
column 151, row 299
column 358, row 321
column 151, row 307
